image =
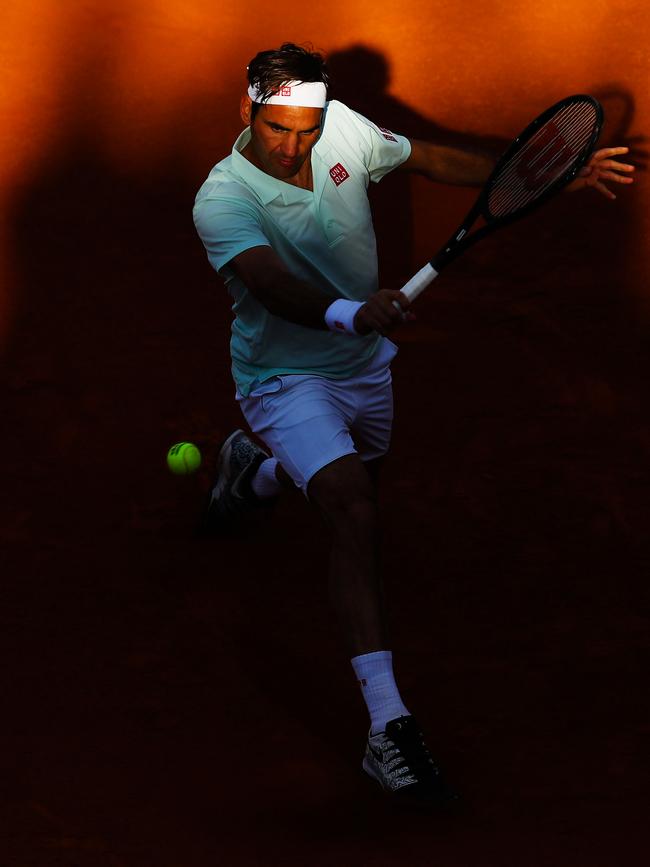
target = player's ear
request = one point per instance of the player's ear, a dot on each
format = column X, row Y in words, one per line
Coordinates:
column 245, row 109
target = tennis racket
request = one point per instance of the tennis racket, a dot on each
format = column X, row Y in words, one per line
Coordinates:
column 547, row 155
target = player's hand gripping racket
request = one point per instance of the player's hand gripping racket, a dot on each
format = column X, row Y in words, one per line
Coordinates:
column 547, row 155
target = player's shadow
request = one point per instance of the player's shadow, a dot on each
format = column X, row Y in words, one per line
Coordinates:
column 360, row 77
column 541, row 321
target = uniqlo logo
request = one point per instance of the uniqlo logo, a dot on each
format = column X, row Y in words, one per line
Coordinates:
column 338, row 174
column 387, row 134
column 285, row 90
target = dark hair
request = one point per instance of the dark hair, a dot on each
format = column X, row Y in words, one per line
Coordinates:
column 269, row 70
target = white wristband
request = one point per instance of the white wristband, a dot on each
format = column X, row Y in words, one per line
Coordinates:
column 339, row 316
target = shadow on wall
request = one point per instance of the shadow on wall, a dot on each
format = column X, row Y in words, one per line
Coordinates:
column 121, row 342
column 531, row 348
column 361, row 78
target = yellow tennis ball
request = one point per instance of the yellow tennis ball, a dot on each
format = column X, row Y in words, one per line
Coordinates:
column 183, row 459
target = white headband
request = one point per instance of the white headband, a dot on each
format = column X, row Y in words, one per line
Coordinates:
column 309, row 94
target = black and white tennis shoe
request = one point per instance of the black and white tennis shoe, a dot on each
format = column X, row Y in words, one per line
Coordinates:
column 400, row 762
column 232, row 496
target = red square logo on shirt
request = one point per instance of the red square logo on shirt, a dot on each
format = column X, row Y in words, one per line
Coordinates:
column 285, row 90
column 338, row 174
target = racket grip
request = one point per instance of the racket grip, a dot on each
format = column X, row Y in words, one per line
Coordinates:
column 419, row 281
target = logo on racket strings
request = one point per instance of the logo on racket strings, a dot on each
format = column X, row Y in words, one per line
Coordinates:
column 541, row 158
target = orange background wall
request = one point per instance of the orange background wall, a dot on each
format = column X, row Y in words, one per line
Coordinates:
column 148, row 81
column 515, row 498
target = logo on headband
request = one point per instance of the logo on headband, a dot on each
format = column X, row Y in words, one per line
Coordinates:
column 283, row 90
column 338, row 174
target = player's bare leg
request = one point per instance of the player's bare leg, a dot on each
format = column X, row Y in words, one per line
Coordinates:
column 345, row 496
column 345, row 493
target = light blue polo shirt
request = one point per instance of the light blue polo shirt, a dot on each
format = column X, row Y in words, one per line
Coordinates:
column 324, row 237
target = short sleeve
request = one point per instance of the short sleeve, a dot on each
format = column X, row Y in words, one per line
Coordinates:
column 228, row 226
column 380, row 149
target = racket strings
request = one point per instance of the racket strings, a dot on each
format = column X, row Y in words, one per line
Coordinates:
column 534, row 170
column 567, row 124
column 558, row 155
column 542, row 161
column 547, row 155
column 557, row 144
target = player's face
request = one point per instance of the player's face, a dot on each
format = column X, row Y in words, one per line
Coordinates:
column 282, row 137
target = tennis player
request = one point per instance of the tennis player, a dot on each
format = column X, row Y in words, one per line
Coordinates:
column 285, row 220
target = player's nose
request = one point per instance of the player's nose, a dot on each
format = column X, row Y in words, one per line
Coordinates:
column 290, row 146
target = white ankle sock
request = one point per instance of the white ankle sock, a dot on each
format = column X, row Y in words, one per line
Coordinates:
column 264, row 482
column 375, row 675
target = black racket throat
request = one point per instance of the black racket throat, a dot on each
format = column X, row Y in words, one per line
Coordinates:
column 463, row 237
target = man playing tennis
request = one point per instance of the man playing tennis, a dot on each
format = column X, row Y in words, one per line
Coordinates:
column 285, row 220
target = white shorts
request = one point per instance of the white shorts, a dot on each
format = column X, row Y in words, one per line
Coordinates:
column 309, row 421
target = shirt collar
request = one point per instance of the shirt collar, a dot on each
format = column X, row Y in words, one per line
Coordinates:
column 266, row 186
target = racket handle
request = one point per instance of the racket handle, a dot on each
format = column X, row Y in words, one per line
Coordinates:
column 419, row 281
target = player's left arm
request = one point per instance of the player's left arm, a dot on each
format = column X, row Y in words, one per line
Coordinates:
column 448, row 165
column 601, row 167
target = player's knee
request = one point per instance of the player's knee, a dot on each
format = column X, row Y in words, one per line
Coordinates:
column 347, row 510
column 359, row 508
column 344, row 494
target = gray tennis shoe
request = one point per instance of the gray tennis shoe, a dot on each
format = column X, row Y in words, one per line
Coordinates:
column 400, row 762
column 232, row 496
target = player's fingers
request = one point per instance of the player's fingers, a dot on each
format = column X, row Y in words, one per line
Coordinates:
column 614, row 164
column 383, row 318
column 398, row 307
column 374, row 317
column 603, row 189
column 395, row 314
column 613, row 176
column 609, row 152
column 391, row 303
column 403, row 301
column 386, row 313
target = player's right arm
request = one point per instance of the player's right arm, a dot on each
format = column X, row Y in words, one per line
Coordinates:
column 266, row 277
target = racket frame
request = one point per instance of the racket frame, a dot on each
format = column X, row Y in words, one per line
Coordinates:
column 462, row 239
